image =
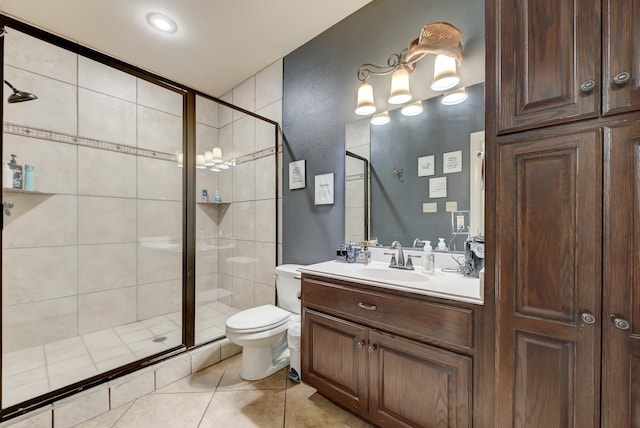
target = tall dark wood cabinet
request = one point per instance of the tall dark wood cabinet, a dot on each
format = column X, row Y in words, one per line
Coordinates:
column 563, row 138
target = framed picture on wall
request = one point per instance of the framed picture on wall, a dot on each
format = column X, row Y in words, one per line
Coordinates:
column 324, row 189
column 297, row 178
column 452, row 162
column 426, row 166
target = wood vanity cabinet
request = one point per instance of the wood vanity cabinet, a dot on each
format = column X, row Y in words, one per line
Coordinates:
column 550, row 60
column 395, row 360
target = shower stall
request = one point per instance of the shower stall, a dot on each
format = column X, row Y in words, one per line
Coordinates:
column 126, row 247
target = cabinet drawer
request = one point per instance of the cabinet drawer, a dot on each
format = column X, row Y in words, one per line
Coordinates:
column 418, row 319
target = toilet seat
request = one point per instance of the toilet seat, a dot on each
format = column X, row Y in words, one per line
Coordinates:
column 255, row 320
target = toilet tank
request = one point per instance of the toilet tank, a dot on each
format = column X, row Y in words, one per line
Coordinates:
column 288, row 287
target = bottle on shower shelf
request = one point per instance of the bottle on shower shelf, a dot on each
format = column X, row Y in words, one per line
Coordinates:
column 28, row 178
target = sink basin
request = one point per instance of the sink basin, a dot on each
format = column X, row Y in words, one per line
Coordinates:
column 390, row 274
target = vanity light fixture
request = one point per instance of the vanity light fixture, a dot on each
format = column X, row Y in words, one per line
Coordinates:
column 455, row 97
column 215, row 169
column 223, row 165
column 216, row 154
column 162, row 22
column 380, row 118
column 439, row 38
column 180, row 159
column 413, row 109
column 200, row 162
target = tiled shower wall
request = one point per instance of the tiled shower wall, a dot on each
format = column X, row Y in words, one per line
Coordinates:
column 102, row 247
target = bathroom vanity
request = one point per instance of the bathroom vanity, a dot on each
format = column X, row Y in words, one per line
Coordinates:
column 394, row 351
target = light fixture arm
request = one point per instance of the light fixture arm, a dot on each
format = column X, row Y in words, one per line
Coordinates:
column 394, row 62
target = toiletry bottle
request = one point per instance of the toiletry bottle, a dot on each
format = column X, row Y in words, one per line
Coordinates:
column 428, row 260
column 216, row 197
column 17, row 172
column 7, row 175
column 28, row 178
column 205, row 195
column 441, row 244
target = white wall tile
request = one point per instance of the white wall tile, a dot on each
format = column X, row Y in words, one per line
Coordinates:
column 244, row 136
column 354, row 222
column 244, row 182
column 225, row 228
column 131, row 387
column 207, row 223
column 207, row 111
column 55, row 164
column 40, row 57
column 244, row 95
column 106, row 220
column 207, row 258
column 159, row 179
column 106, row 266
column 159, row 299
column 225, row 185
column 225, row 114
column 40, row 418
column 55, row 109
column 106, row 309
column 243, row 221
column 269, row 85
column 159, row 98
column 159, row 219
column 207, row 289
column 265, row 254
column 32, row 274
column 264, row 295
column 172, row 370
column 81, row 407
column 265, row 135
column 107, row 80
column 354, row 193
column 244, row 260
column 94, row 107
column 156, row 264
column 225, row 282
column 265, row 181
column 265, row 220
column 159, row 130
column 106, row 173
column 225, row 255
column 32, row 217
column 280, row 220
column 206, row 138
column 225, row 141
column 204, row 356
column 228, row 349
column 357, row 133
column 243, row 293
column 36, row 323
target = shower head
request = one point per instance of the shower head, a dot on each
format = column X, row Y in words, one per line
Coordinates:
column 19, row 96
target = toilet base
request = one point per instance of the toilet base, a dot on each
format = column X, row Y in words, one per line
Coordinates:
column 261, row 362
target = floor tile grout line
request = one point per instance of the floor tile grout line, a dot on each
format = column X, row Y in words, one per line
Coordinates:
column 215, row 390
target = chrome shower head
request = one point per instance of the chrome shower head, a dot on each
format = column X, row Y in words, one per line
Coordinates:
column 19, row 96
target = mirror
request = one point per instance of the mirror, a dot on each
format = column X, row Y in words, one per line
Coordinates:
column 424, row 176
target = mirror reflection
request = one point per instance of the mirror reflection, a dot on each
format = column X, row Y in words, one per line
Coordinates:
column 424, row 178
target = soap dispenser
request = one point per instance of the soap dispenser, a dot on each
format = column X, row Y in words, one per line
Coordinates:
column 428, row 260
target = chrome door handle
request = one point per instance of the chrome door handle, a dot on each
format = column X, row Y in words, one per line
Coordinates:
column 360, row 344
column 622, row 77
column 588, row 85
column 588, row 318
column 367, row 306
column 372, row 348
column 620, row 323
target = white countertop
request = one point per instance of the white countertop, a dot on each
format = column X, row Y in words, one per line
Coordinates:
column 448, row 285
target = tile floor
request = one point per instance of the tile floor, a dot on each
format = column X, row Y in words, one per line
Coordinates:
column 37, row 370
column 218, row 397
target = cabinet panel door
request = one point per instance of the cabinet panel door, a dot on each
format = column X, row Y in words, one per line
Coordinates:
column 334, row 359
column 621, row 296
column 621, row 40
column 415, row 385
column 549, row 275
column 547, row 51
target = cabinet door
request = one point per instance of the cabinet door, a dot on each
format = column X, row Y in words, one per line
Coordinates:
column 621, row 40
column 548, row 281
column 415, row 385
column 548, row 62
column 334, row 359
column 621, row 297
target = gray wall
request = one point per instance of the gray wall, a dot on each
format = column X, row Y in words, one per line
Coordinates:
column 319, row 97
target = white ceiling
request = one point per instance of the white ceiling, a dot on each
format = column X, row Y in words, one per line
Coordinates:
column 219, row 43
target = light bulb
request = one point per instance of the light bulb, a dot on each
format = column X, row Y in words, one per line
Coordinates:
column 365, row 105
column 400, row 92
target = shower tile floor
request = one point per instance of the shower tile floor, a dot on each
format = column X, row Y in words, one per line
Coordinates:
column 34, row 371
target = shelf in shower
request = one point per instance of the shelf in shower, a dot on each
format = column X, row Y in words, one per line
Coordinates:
column 25, row 192
column 213, row 203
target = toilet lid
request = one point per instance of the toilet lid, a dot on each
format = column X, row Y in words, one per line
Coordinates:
column 258, row 319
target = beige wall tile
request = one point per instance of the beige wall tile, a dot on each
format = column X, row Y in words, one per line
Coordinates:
column 225, row 228
column 56, row 108
column 106, row 309
column 269, row 84
column 206, row 137
column 265, row 254
column 244, row 95
column 94, row 107
column 131, row 387
column 159, row 131
column 243, row 293
column 160, row 298
column 265, row 220
column 225, row 141
column 244, row 136
column 280, row 221
column 353, row 165
column 207, row 111
column 55, row 164
column 225, row 113
column 159, row 219
column 106, row 220
column 206, row 179
column 225, row 282
column 205, row 356
column 357, row 133
column 206, row 288
column 81, row 407
column 159, row 179
column 207, row 223
column 265, row 135
column 32, row 274
column 228, row 349
column 31, row 324
column 106, row 173
column 354, row 222
column 157, row 264
column 225, row 185
column 106, row 266
column 264, row 295
column 159, row 98
column 172, row 370
column 225, row 254
column 265, row 177
column 40, row 57
column 207, row 258
column 243, row 220
column 40, row 418
column 107, row 80
column 244, row 182
column 32, row 217
column 244, row 260
column 354, row 193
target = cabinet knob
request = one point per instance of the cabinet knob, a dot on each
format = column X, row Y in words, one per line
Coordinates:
column 621, row 323
column 372, row 348
column 622, row 77
column 588, row 318
column 588, row 85
column 367, row 306
column 360, row 345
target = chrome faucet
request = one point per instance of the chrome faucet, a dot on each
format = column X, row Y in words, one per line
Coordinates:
column 417, row 243
column 400, row 260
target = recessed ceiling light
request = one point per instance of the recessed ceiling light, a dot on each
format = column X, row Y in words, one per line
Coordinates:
column 162, row 22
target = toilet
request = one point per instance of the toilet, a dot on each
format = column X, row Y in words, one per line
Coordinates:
column 262, row 331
